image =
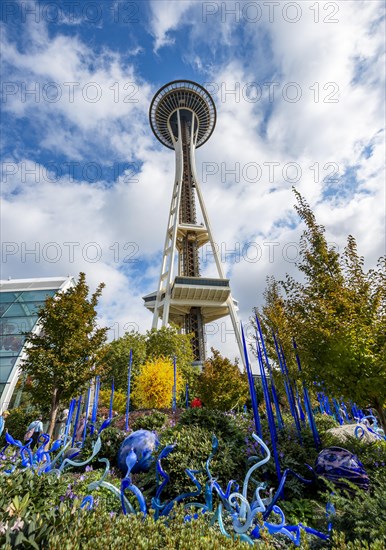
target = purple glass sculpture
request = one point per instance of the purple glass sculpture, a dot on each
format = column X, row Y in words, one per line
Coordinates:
column 337, row 464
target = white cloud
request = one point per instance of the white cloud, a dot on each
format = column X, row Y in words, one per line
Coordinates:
column 79, row 98
column 167, row 16
column 61, row 227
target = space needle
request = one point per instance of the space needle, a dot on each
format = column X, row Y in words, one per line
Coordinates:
column 183, row 116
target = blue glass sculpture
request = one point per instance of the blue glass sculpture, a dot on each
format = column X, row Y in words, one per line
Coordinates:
column 143, row 443
column 337, row 464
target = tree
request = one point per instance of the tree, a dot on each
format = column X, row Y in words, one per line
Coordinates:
column 116, row 358
column 153, row 386
column 60, row 359
column 221, row 385
column 168, row 342
column 338, row 317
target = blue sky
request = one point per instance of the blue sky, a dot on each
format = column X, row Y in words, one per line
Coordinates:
column 299, row 89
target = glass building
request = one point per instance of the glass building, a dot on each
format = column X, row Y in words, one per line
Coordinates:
column 20, row 300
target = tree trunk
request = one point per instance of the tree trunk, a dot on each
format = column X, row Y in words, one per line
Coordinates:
column 381, row 414
column 53, row 412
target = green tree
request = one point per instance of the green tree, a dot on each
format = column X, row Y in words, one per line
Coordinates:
column 338, row 317
column 116, row 356
column 221, row 385
column 168, row 342
column 60, row 359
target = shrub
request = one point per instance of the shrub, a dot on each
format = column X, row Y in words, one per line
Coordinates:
column 360, row 514
column 111, row 441
column 153, row 421
column 34, row 507
column 325, row 422
column 338, row 542
column 153, row 386
column 29, row 507
column 295, row 455
column 193, row 447
column 304, row 510
column 221, row 385
column 119, row 401
column 100, row 530
column 231, row 427
column 43, row 512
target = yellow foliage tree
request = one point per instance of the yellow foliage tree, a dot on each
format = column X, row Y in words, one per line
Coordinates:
column 153, row 385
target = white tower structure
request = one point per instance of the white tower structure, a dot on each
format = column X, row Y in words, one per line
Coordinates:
column 183, row 116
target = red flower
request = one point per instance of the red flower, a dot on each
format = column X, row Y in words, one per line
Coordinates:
column 196, row 403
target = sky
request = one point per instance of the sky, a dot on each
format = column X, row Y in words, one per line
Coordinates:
column 299, row 89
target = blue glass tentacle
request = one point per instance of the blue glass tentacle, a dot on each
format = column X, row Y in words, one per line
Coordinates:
column 126, row 483
column 286, row 473
column 67, row 461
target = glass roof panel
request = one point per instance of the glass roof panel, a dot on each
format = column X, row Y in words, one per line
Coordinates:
column 35, row 295
column 21, row 309
column 5, row 371
column 8, row 296
column 19, row 314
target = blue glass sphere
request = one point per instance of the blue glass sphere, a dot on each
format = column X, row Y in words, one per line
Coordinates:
column 337, row 465
column 143, row 443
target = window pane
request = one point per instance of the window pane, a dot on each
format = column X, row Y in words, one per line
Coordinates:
column 19, row 309
column 8, row 296
column 6, row 365
column 17, row 325
column 12, row 344
column 35, row 295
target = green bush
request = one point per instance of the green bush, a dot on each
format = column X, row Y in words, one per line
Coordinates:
column 153, row 421
column 338, row 542
column 112, row 439
column 325, row 422
column 100, row 530
column 193, row 447
column 362, row 514
column 43, row 512
column 304, row 510
column 30, row 507
column 33, row 507
column 227, row 425
column 221, row 385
